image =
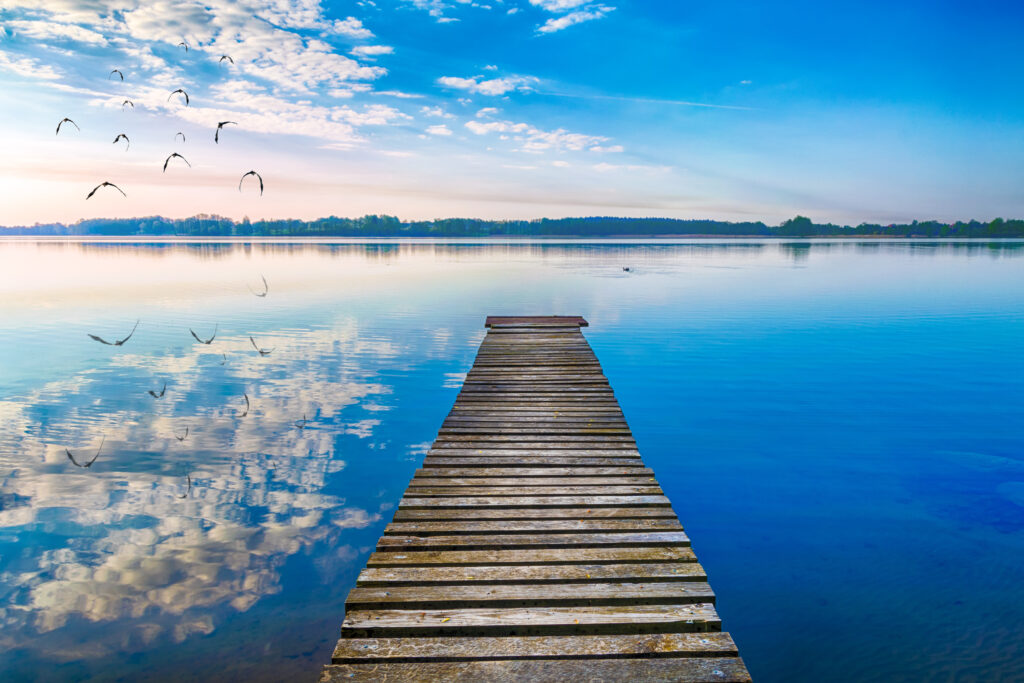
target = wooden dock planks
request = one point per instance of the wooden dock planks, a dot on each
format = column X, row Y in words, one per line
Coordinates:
column 534, row 544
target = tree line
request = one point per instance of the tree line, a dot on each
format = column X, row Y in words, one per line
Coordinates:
column 205, row 225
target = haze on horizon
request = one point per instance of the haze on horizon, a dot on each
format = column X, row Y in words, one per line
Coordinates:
column 845, row 112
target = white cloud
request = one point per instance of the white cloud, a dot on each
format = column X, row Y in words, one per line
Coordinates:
column 51, row 30
column 490, row 67
column 399, row 94
column 372, row 50
column 493, row 86
column 487, row 111
column 745, row 82
column 27, row 67
column 532, row 139
column 439, row 129
column 608, row 149
column 436, row 112
column 573, row 18
column 514, row 10
column 560, row 164
column 558, row 5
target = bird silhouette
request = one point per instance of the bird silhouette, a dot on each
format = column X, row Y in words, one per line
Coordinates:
column 216, row 135
column 205, row 341
column 263, row 352
column 105, row 184
column 246, row 405
column 225, row 357
column 227, row 57
column 172, row 155
column 183, row 436
column 159, row 395
column 184, row 45
column 253, row 173
column 301, row 424
column 129, row 103
column 181, row 134
column 116, row 71
column 175, row 92
column 66, row 120
column 119, row 342
column 88, row 464
column 188, row 477
column 128, row 143
column 266, row 288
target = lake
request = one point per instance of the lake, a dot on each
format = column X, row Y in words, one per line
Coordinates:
column 839, row 425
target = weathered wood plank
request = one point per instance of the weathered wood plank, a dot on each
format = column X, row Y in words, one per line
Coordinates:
column 649, row 670
column 676, row 618
column 531, row 526
column 539, row 472
column 621, row 539
column 527, row 574
column 531, row 491
column 481, row 480
column 532, row 556
column 533, row 501
column 437, row 514
column 354, row 650
column 482, row 595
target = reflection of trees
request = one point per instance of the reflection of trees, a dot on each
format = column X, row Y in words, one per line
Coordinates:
column 119, row 545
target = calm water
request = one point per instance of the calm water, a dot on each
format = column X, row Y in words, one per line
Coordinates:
column 840, row 427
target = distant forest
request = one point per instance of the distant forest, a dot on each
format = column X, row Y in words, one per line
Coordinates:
column 388, row 226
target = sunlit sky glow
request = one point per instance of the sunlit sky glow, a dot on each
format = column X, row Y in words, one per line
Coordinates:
column 846, row 112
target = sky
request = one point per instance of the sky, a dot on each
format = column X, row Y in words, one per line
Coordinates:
column 738, row 110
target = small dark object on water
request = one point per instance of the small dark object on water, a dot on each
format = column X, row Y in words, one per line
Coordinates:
column 183, row 437
column 263, row 352
column 206, row 341
column 266, row 288
column 188, row 477
column 246, row 396
column 627, row 269
column 101, row 339
column 159, row 395
column 301, row 424
column 88, row 464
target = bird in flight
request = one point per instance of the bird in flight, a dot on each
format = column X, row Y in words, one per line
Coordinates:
column 253, row 173
column 181, row 134
column 119, row 342
column 225, row 356
column 116, row 71
column 263, row 352
column 160, row 394
column 128, row 143
column 246, row 405
column 105, row 184
column 129, row 103
column 183, row 436
column 301, row 424
column 175, row 92
column 205, row 341
column 172, row 155
column 216, row 135
column 266, row 288
column 184, row 45
column 66, row 120
column 88, row 464
column 188, row 477
column 227, row 57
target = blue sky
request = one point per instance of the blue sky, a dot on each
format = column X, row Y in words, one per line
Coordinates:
column 842, row 111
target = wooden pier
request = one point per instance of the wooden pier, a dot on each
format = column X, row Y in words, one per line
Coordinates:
column 534, row 544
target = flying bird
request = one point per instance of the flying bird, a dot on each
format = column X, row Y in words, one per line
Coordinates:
column 181, row 134
column 626, row 269
column 263, row 352
column 66, row 120
column 216, row 135
column 159, row 395
column 88, row 464
column 105, row 184
column 129, row 103
column 188, row 477
column 205, row 341
column 172, row 155
column 266, row 288
column 301, row 424
column 119, row 342
column 128, row 143
column 227, row 57
column 225, row 356
column 246, row 405
column 116, row 71
column 182, row 437
column 184, row 45
column 175, row 92
column 248, row 174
